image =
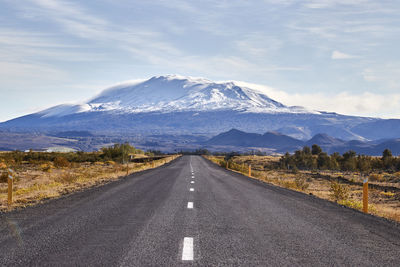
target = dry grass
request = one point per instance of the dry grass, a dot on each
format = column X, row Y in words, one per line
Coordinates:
column 347, row 190
column 36, row 182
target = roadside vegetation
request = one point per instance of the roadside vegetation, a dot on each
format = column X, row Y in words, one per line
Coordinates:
column 314, row 158
column 335, row 177
column 43, row 175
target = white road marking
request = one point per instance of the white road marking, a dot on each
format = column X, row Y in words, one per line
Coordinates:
column 191, row 189
column 192, row 176
column 190, row 205
column 192, row 182
column 187, row 251
column 191, row 167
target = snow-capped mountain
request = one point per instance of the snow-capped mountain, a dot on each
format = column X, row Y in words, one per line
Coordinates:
column 194, row 106
column 174, row 93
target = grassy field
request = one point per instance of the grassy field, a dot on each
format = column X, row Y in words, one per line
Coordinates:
column 342, row 187
column 41, row 180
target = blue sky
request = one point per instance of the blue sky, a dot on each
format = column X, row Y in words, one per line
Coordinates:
column 333, row 55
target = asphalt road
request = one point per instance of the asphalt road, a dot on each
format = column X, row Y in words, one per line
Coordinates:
column 145, row 220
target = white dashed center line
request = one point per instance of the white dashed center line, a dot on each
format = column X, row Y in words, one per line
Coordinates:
column 187, row 252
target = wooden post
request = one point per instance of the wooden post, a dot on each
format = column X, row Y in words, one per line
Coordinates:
column 10, row 190
column 249, row 170
column 227, row 165
column 365, row 195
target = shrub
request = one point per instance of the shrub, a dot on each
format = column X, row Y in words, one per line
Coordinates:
column 46, row 167
column 118, row 167
column 287, row 184
column 301, row 183
column 315, row 149
column 376, row 177
column 339, row 192
column 297, row 184
column 221, row 163
column 67, row 177
column 119, row 152
column 61, row 162
column 3, row 177
column 358, row 205
column 295, row 170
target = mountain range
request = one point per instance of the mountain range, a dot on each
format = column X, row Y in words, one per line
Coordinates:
column 175, row 105
column 281, row 143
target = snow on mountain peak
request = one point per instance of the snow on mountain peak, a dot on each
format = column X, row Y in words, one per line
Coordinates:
column 63, row 110
column 178, row 93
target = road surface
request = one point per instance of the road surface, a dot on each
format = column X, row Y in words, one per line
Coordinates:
column 191, row 212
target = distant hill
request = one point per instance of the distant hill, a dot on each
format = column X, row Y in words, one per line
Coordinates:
column 235, row 137
column 324, row 140
column 282, row 143
column 274, row 140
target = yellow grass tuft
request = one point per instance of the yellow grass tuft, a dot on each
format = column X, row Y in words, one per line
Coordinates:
column 388, row 194
column 46, row 167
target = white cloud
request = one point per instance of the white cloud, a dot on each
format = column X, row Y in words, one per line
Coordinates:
column 258, row 45
column 37, row 50
column 15, row 37
column 280, row 2
column 364, row 104
column 387, row 75
column 339, row 55
column 140, row 42
column 17, row 73
column 63, row 9
column 331, row 3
